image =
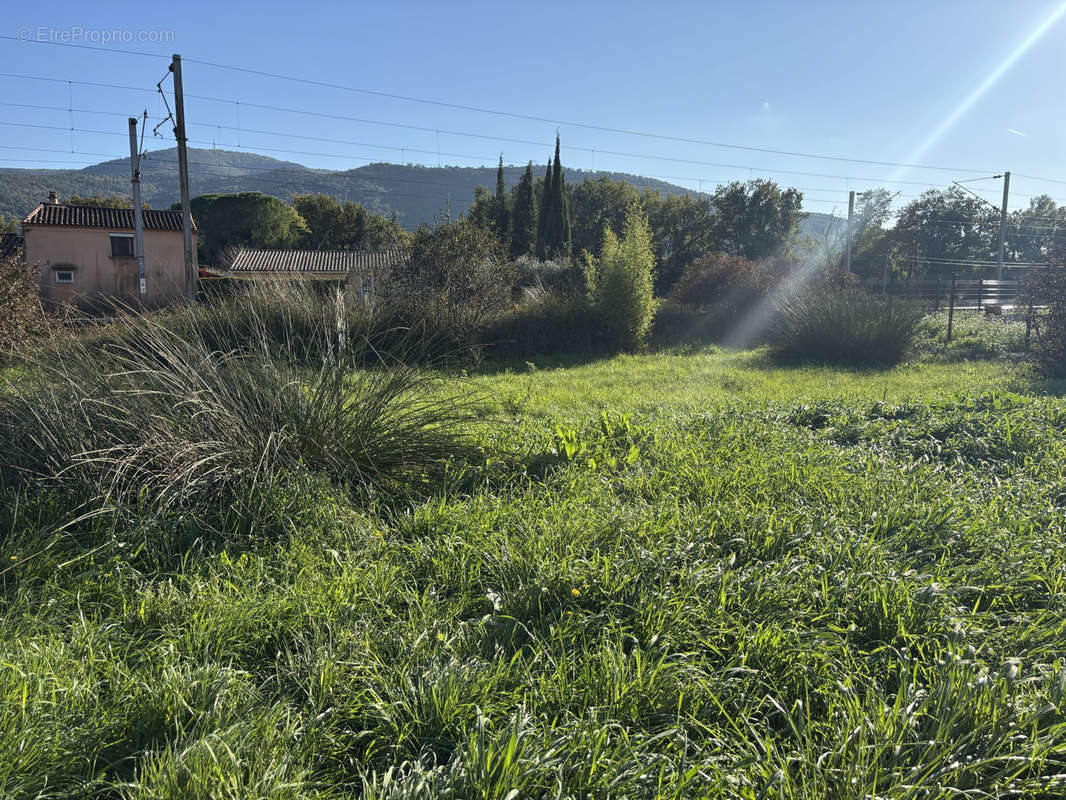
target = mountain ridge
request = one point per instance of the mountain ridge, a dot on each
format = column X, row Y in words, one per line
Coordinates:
column 411, row 193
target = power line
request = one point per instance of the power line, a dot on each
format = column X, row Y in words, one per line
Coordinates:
column 979, row 262
column 807, row 198
column 515, row 115
column 1035, row 178
column 54, row 150
column 625, row 154
column 569, row 123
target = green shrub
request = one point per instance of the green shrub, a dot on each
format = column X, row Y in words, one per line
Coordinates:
column 545, row 322
column 621, row 283
column 562, row 276
column 728, row 285
column 1048, row 287
column 846, row 326
column 161, row 416
column 455, row 280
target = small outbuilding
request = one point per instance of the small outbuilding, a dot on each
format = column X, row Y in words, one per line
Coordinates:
column 359, row 271
column 86, row 254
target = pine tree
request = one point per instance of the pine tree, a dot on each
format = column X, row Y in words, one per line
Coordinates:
column 545, row 215
column 502, row 215
column 524, row 215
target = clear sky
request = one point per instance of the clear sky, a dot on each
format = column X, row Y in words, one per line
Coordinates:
column 960, row 84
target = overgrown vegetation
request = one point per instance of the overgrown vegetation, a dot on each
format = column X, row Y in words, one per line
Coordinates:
column 726, row 288
column 844, row 326
column 556, row 221
column 249, row 551
column 456, row 279
column 633, row 613
column 199, row 411
column 975, row 335
column 22, row 318
column 621, row 283
column 1049, row 341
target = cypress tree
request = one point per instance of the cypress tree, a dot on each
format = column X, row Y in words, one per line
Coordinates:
column 545, row 215
column 502, row 220
column 559, row 226
column 524, row 218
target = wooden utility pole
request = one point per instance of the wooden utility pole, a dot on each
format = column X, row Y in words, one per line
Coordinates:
column 138, row 213
column 183, row 180
column 1002, row 227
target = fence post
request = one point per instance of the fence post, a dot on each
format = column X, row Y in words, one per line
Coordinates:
column 951, row 305
column 339, row 312
column 980, row 291
column 1029, row 317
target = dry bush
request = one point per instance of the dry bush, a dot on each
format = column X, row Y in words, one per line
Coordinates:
column 22, row 318
column 720, row 282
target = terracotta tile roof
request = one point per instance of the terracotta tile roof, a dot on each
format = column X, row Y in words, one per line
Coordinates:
column 10, row 244
column 332, row 262
column 97, row 217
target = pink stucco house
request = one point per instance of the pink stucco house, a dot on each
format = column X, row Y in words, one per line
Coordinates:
column 85, row 254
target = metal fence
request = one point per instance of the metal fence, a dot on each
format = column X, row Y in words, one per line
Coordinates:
column 976, row 294
column 981, row 294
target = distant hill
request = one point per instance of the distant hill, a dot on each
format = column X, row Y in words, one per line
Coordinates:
column 414, row 194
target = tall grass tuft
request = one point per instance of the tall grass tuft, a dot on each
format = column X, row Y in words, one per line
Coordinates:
column 847, row 326
column 197, row 409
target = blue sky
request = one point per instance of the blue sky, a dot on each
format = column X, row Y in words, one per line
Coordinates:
column 855, row 80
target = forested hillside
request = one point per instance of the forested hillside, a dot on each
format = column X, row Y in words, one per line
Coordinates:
column 414, row 194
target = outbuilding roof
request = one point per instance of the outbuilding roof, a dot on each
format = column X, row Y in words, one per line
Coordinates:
column 72, row 216
column 333, row 262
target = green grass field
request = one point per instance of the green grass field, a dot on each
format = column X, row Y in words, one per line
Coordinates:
column 691, row 575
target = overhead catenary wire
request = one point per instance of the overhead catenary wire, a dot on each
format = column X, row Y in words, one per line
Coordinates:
column 626, row 154
column 509, row 114
column 946, row 222
column 808, row 198
column 459, row 133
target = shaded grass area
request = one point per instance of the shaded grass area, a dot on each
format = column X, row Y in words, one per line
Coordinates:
column 975, row 335
column 714, row 578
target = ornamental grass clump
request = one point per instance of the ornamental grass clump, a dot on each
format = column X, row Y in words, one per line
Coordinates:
column 844, row 326
column 157, row 416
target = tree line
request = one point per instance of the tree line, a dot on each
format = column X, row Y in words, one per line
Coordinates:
column 944, row 231
column 547, row 219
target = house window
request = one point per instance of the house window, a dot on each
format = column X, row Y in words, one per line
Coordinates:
column 121, row 245
column 64, row 276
